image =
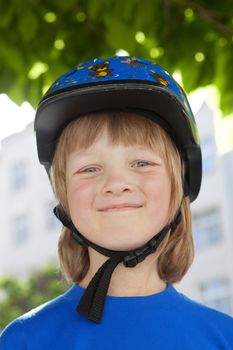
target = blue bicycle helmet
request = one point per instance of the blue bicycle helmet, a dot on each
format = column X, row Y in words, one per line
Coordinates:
column 118, row 83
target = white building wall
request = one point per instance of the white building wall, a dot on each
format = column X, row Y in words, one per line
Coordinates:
column 213, row 264
column 36, row 242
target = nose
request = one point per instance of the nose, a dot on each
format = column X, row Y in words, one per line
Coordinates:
column 117, row 185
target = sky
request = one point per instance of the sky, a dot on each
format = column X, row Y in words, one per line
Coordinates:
column 14, row 118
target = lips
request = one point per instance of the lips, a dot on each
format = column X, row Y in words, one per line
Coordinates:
column 121, row 206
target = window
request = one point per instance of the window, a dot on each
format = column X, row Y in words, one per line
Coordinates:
column 207, row 228
column 216, row 294
column 20, row 229
column 18, row 175
column 208, row 148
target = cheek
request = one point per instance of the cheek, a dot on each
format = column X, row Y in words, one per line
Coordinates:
column 80, row 197
column 157, row 185
column 157, row 190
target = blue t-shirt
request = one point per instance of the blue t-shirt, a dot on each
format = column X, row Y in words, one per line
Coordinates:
column 165, row 320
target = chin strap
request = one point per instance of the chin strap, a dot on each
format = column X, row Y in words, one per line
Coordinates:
column 93, row 300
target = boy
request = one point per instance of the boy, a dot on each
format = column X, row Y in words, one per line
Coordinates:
column 96, row 126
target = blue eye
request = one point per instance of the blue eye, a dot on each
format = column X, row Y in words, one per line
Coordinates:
column 85, row 170
column 141, row 161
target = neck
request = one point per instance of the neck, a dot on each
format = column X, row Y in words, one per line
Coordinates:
column 141, row 280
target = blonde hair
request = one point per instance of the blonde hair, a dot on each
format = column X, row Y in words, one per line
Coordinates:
column 176, row 252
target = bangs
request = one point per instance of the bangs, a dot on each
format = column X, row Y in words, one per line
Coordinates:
column 122, row 128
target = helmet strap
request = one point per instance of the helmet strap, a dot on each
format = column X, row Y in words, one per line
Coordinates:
column 93, row 300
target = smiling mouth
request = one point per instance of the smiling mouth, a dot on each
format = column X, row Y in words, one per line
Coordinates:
column 120, row 209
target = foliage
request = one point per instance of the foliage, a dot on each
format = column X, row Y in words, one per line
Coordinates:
column 19, row 296
column 40, row 40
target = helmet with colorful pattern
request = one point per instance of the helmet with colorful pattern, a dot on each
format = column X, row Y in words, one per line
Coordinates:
column 120, row 83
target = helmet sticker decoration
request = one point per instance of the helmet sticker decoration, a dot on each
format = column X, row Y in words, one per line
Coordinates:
column 159, row 79
column 101, row 70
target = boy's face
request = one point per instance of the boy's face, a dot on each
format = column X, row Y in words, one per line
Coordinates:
column 103, row 176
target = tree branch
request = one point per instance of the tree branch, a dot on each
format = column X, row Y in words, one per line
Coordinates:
column 210, row 17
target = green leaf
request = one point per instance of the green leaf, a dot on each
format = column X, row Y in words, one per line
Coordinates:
column 20, row 296
column 28, row 25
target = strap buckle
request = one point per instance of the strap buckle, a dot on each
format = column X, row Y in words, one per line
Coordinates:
column 139, row 255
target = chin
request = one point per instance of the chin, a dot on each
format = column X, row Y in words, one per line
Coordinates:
column 123, row 244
